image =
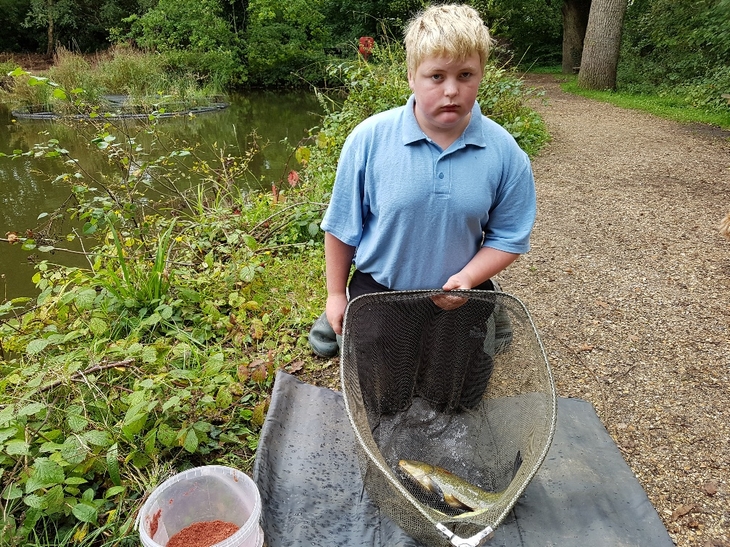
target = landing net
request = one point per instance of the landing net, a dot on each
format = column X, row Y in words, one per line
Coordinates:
column 467, row 389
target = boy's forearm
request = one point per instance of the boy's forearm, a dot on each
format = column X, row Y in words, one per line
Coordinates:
column 338, row 259
column 487, row 263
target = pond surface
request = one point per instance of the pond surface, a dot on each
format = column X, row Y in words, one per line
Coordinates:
column 27, row 187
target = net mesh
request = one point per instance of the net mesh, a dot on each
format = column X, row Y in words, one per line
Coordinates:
column 467, row 389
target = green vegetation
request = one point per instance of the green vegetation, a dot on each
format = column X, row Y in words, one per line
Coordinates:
column 160, row 355
column 149, row 82
column 665, row 105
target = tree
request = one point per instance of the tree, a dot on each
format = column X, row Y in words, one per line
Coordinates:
column 575, row 23
column 602, row 45
column 49, row 14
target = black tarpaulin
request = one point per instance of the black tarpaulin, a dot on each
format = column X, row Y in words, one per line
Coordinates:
column 312, row 492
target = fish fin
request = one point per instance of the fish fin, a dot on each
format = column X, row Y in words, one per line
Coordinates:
column 454, row 502
column 430, row 485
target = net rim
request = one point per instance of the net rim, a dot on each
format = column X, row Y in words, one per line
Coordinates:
column 428, row 513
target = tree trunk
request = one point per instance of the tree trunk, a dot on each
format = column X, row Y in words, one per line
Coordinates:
column 50, row 43
column 602, row 44
column 575, row 22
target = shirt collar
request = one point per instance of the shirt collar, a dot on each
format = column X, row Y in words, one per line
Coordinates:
column 473, row 133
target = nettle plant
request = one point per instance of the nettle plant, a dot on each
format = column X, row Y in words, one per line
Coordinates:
column 159, row 355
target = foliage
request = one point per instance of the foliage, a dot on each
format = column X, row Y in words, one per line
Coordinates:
column 531, row 30
column 21, row 38
column 147, row 80
column 195, row 38
column 284, row 38
column 161, row 354
column 678, row 48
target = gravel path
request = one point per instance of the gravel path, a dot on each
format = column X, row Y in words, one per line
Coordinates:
column 628, row 283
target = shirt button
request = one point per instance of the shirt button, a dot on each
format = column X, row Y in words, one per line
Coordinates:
column 441, row 175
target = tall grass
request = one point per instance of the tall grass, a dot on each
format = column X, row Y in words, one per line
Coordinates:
column 146, row 79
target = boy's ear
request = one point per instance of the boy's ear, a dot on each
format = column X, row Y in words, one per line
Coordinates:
column 410, row 80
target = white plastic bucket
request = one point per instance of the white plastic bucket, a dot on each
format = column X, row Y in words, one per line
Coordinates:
column 208, row 493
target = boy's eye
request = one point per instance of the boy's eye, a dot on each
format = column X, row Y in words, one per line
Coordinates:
column 437, row 77
column 466, row 75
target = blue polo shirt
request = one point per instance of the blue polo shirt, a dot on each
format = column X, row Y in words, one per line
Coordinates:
column 418, row 214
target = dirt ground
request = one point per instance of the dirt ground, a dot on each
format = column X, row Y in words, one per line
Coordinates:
column 628, row 283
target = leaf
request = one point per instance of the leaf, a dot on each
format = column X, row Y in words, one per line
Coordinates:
column 113, row 491
column 54, row 500
column 85, row 512
column 7, row 433
column 45, row 474
column 59, row 93
column 681, row 511
column 149, row 354
column 166, row 435
column 98, row 438
column 224, row 399
column 73, row 451
column 31, row 409
column 296, row 366
column 36, row 346
column 6, row 414
column 76, row 423
column 191, row 441
column 85, row 299
column 171, row 402
column 112, row 464
column 98, row 326
column 12, row 492
column 17, row 448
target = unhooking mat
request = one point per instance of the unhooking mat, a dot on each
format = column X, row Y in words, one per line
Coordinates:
column 312, row 493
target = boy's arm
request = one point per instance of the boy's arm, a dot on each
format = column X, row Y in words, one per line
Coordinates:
column 338, row 259
column 487, row 263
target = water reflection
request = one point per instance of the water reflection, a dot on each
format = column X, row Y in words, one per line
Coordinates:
column 27, row 187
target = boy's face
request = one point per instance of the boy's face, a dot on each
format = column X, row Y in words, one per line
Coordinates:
column 445, row 91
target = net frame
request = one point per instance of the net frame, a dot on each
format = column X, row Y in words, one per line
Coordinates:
column 424, row 522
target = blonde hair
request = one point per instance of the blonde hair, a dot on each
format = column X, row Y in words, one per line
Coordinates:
column 450, row 30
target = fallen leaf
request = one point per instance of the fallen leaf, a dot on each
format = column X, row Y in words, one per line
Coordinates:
column 586, row 347
column 12, row 237
column 710, row 488
column 243, row 373
column 681, row 511
column 296, row 366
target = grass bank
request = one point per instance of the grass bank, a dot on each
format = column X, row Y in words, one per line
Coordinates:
column 671, row 106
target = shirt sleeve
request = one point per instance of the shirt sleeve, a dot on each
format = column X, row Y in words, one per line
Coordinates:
column 513, row 211
column 348, row 207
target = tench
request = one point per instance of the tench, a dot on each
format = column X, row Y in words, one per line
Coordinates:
column 453, row 490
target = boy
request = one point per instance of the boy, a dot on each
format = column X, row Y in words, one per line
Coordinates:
column 432, row 194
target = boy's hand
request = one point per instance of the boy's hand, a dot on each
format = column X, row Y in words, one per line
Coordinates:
column 458, row 281
column 335, row 309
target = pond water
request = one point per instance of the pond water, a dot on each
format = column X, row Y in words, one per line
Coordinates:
column 27, row 186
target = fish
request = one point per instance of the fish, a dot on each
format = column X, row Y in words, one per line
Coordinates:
column 452, row 489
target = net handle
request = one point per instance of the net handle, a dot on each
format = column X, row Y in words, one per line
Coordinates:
column 473, row 541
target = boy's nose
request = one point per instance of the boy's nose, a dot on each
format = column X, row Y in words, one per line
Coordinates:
column 451, row 89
